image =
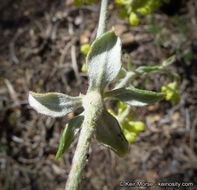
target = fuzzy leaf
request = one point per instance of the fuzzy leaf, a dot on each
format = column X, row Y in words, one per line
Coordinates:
column 70, row 132
column 53, row 104
column 109, row 133
column 135, row 97
column 104, row 60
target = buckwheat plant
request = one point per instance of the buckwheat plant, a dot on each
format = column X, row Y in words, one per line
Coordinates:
column 103, row 63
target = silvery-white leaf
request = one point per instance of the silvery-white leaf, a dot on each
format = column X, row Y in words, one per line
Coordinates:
column 104, row 60
column 53, row 104
column 109, row 133
column 135, row 97
column 70, row 132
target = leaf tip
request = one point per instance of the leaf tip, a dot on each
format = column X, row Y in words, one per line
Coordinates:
column 30, row 98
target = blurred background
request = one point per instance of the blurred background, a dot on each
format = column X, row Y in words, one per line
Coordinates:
column 40, row 51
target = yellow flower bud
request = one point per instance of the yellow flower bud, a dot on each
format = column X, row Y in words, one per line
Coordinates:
column 90, row 1
column 85, row 48
column 134, row 19
column 78, row 3
column 171, row 92
column 130, row 136
column 139, row 126
column 84, row 69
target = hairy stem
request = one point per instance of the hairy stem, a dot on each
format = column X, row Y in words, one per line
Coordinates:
column 79, row 158
column 102, row 18
column 93, row 106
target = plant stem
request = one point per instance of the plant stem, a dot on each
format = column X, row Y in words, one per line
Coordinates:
column 124, row 114
column 102, row 18
column 93, row 106
column 129, row 76
column 79, row 159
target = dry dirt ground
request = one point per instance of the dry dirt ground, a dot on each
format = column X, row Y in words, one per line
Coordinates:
column 39, row 46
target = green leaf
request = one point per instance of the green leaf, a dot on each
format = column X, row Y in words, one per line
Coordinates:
column 129, row 64
column 169, row 61
column 53, row 104
column 146, row 69
column 109, row 133
column 135, row 97
column 122, row 73
column 122, row 13
column 104, row 60
column 70, row 132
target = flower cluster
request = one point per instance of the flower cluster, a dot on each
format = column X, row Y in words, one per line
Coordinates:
column 130, row 128
column 133, row 9
column 171, row 91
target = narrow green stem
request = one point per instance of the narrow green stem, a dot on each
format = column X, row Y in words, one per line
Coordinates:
column 93, row 106
column 102, row 18
column 129, row 76
column 124, row 114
